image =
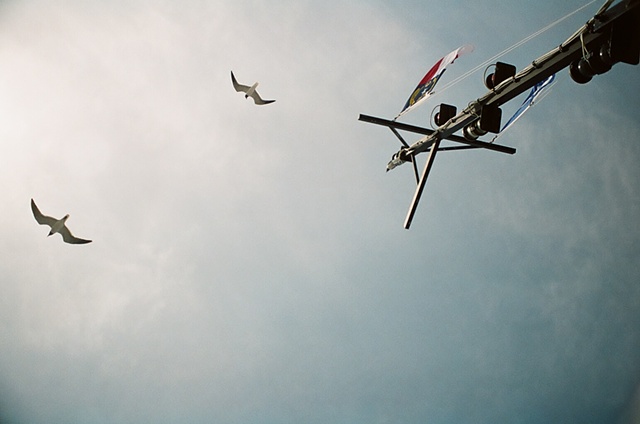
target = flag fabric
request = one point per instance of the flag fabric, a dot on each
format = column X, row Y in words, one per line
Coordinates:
column 528, row 102
column 431, row 78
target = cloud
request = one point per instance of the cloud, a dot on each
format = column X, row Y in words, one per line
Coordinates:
column 249, row 263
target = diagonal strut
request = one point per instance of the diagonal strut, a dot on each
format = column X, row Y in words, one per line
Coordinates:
column 421, row 184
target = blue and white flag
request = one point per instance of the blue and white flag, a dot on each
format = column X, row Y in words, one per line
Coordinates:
column 528, row 102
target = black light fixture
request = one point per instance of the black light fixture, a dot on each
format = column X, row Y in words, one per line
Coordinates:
column 620, row 44
column 444, row 113
column 502, row 72
column 489, row 121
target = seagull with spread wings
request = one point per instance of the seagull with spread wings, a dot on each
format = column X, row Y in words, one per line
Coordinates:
column 249, row 91
column 57, row 225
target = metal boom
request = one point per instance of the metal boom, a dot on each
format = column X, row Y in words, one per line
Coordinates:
column 584, row 39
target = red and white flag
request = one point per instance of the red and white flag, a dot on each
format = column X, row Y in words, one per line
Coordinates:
column 431, row 78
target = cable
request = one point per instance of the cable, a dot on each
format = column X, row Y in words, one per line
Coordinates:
column 604, row 7
column 518, row 44
column 535, row 101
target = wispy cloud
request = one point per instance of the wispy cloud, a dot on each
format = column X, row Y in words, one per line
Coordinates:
column 249, row 263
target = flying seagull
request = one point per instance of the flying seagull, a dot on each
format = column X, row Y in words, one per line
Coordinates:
column 249, row 91
column 57, row 225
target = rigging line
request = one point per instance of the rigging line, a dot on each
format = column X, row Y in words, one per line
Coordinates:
column 533, row 103
column 604, row 7
column 545, row 94
column 578, row 33
column 518, row 44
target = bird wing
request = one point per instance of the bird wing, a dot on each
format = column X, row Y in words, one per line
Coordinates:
column 42, row 219
column 70, row 238
column 237, row 86
column 258, row 100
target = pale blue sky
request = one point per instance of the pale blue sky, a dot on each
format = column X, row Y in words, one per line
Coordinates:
column 249, row 263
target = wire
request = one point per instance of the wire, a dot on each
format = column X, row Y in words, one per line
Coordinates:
column 578, row 34
column 604, row 7
column 534, row 102
column 520, row 43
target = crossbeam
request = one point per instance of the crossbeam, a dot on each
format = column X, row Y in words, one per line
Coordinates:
column 434, row 133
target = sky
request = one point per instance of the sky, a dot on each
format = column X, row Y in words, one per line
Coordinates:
column 249, row 263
